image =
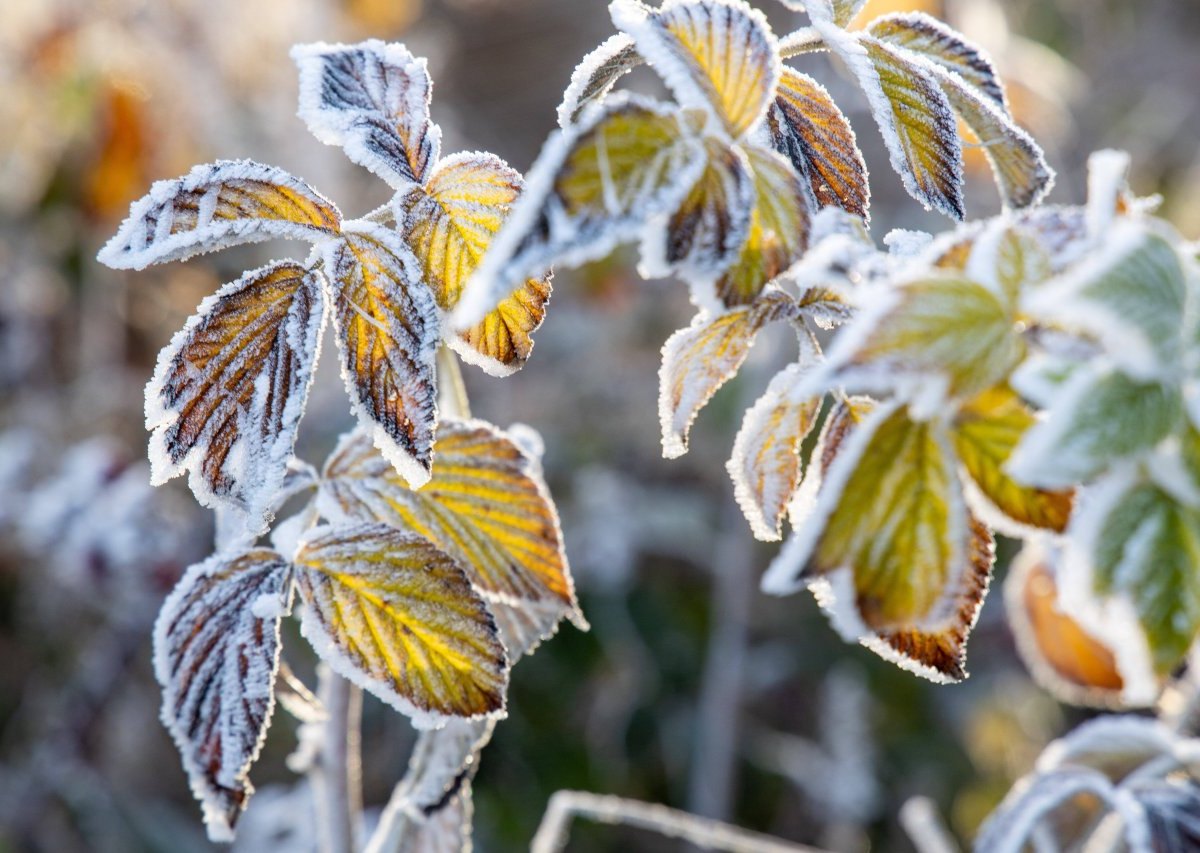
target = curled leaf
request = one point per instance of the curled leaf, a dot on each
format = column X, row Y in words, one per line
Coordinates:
column 230, row 388
column 808, row 128
column 485, row 504
column 595, row 76
column 718, row 55
column 396, row 615
column 449, row 224
column 216, row 206
column 595, row 185
column 216, row 654
column 388, row 330
column 698, row 360
column 372, row 99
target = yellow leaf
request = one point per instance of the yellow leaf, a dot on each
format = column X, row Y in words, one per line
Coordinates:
column 779, row 229
column 930, row 38
column 808, row 128
column 215, row 206
column 485, row 504
column 986, row 430
column 230, row 389
column 449, row 224
column 917, row 125
column 595, row 185
column 388, row 331
column 396, row 615
column 766, row 464
column 888, row 547
column 700, row 359
column 718, row 55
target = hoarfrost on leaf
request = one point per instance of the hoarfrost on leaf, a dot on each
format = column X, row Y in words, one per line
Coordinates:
column 216, row 658
column 595, row 76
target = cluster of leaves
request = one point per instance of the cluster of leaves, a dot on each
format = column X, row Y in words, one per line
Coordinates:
column 422, row 578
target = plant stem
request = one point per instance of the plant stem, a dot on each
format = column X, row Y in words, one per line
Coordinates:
column 806, row 40
column 709, row 834
column 336, row 773
column 452, row 391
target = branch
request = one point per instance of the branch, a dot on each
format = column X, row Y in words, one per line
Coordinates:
column 709, row 834
column 336, row 772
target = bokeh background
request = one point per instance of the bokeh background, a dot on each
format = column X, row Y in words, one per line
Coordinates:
column 692, row 689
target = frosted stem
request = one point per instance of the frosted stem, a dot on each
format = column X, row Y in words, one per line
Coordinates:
column 920, row 819
column 452, row 391
column 807, row 40
column 709, row 834
column 336, row 773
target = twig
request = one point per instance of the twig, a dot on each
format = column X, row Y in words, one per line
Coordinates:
column 806, row 40
column 709, row 834
column 920, row 819
column 336, row 774
column 452, row 397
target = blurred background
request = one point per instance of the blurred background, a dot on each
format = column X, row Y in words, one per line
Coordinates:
column 692, row 689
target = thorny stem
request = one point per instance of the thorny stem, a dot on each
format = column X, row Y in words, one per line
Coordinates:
column 705, row 833
column 336, row 772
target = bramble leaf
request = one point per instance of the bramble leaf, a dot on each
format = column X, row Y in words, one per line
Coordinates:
column 912, row 113
column 216, row 653
column 449, row 224
column 372, row 99
column 808, row 128
column 216, row 206
column 718, row 55
column 1130, row 294
column 594, row 186
column 485, row 504
column 889, row 548
column 1063, row 657
column 1009, row 259
column 1145, row 545
column 986, row 430
column 766, row 465
column 943, row 328
column 701, row 358
column 1099, row 417
column 388, row 331
column 595, row 76
column 779, row 226
column 706, row 233
column 230, row 389
column 945, row 47
column 396, row 615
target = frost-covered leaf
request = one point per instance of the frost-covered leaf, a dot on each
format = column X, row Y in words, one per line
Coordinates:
column 1145, row 546
column 718, row 55
column 779, row 227
column 1010, row 259
column 953, row 333
column 449, row 224
column 1099, row 417
column 888, row 546
column 701, row 358
column 1065, row 659
column 766, row 464
column 230, row 388
column 1018, row 162
column 596, row 74
column 1011, row 828
column 216, row 653
column 808, row 128
column 840, row 12
column 595, row 185
column 372, row 99
column 707, row 231
column 914, row 117
column 486, row 504
column 396, row 615
column 986, row 430
column 1130, row 293
column 524, row 625
column 1172, row 809
column 215, row 206
column 943, row 46
column 388, row 330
